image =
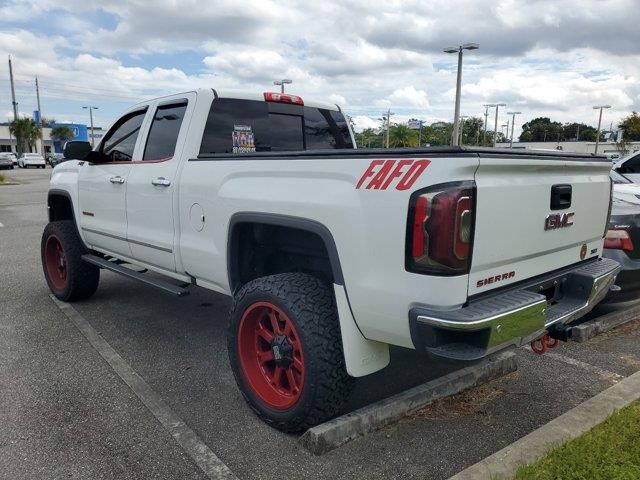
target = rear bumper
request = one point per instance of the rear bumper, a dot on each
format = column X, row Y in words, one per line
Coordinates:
column 629, row 277
column 513, row 317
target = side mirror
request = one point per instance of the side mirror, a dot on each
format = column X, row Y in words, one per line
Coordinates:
column 76, row 150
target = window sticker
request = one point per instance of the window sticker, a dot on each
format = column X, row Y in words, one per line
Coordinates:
column 242, row 138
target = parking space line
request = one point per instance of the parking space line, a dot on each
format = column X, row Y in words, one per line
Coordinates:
column 605, row 374
column 199, row 452
column 1, row 225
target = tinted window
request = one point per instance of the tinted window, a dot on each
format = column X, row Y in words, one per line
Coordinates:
column 632, row 165
column 163, row 135
column 240, row 126
column 119, row 143
column 326, row 129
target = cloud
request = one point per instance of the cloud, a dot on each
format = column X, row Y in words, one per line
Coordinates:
column 543, row 57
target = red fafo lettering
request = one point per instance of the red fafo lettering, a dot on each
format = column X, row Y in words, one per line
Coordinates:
column 384, row 173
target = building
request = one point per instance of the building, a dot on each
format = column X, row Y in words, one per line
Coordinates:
column 81, row 132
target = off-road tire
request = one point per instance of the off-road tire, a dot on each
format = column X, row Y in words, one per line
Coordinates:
column 82, row 278
column 309, row 304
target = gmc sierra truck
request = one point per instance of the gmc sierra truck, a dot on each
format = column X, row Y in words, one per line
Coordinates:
column 330, row 253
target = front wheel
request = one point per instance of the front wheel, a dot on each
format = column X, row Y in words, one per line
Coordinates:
column 285, row 349
column 68, row 276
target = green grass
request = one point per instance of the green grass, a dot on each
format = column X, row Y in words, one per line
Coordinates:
column 609, row 451
column 1, row 178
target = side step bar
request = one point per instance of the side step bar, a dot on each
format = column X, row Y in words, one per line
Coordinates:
column 127, row 272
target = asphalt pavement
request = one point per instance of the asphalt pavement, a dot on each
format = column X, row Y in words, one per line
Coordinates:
column 64, row 413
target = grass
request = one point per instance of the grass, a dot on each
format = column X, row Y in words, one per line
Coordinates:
column 609, row 451
column 1, row 178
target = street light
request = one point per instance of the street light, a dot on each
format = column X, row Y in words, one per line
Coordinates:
column 458, row 50
column 495, row 125
column 513, row 123
column 599, row 107
column 91, row 109
column 282, row 83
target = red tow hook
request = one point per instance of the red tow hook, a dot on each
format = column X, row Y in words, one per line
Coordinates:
column 544, row 343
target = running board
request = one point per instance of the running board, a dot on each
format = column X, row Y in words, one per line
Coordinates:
column 127, row 272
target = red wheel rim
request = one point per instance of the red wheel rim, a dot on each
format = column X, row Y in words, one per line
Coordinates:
column 271, row 355
column 55, row 263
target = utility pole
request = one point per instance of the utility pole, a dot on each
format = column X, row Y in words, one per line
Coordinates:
column 40, row 118
column 495, row 127
column 14, row 103
column 486, row 116
column 420, row 134
column 578, row 134
column 389, row 113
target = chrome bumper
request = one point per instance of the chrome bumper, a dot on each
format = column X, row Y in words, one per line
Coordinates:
column 513, row 317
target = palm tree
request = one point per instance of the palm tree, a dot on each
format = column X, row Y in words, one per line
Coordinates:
column 402, row 136
column 62, row 133
column 26, row 132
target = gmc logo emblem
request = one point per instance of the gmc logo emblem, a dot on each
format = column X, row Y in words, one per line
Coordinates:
column 558, row 220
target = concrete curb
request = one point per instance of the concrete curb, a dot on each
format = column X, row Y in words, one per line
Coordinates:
column 329, row 435
column 582, row 333
column 575, row 422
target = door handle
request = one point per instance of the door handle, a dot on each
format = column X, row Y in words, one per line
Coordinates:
column 161, row 182
column 117, row 179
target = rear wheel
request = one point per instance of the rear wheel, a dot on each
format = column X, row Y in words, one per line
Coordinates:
column 285, row 350
column 68, row 276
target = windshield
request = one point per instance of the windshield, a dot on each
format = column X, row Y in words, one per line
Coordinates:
column 617, row 178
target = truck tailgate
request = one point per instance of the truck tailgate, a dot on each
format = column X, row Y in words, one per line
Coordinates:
column 521, row 232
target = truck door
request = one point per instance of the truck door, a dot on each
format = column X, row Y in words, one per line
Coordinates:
column 152, row 184
column 102, row 186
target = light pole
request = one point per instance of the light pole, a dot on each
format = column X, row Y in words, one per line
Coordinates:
column 495, row 127
column 282, row 83
column 513, row 124
column 599, row 107
column 456, row 116
column 387, row 117
column 91, row 108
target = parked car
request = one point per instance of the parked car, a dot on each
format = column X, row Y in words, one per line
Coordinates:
column 55, row 158
column 331, row 254
column 27, row 160
column 629, row 166
column 6, row 160
column 624, row 189
column 622, row 244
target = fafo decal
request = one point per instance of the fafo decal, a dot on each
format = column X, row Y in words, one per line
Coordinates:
column 380, row 174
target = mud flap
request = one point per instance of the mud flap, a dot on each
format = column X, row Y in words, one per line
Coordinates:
column 362, row 357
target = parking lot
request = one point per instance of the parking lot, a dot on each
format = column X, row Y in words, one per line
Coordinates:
column 64, row 413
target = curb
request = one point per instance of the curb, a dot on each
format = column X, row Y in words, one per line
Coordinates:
column 575, row 422
column 329, row 435
column 583, row 332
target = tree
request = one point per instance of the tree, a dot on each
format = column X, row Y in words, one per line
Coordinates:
column 472, row 131
column 26, row 133
column 579, row 131
column 369, row 138
column 62, row 133
column 631, row 127
column 402, row 136
column 541, row 129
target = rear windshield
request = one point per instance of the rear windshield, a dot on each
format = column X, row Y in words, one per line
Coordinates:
column 246, row 126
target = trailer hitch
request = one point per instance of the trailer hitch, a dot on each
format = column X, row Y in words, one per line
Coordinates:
column 544, row 343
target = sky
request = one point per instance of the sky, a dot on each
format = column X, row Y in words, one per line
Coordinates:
column 554, row 58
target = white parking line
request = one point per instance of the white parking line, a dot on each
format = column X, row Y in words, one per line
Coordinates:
column 1, row 225
column 201, row 454
column 605, row 374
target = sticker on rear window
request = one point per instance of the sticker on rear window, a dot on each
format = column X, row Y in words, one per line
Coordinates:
column 242, row 139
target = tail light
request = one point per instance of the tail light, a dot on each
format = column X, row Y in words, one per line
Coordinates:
column 283, row 98
column 440, row 229
column 618, row 240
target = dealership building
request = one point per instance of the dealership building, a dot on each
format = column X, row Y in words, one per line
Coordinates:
column 80, row 132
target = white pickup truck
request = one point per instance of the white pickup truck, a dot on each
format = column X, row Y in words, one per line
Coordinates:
column 331, row 254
